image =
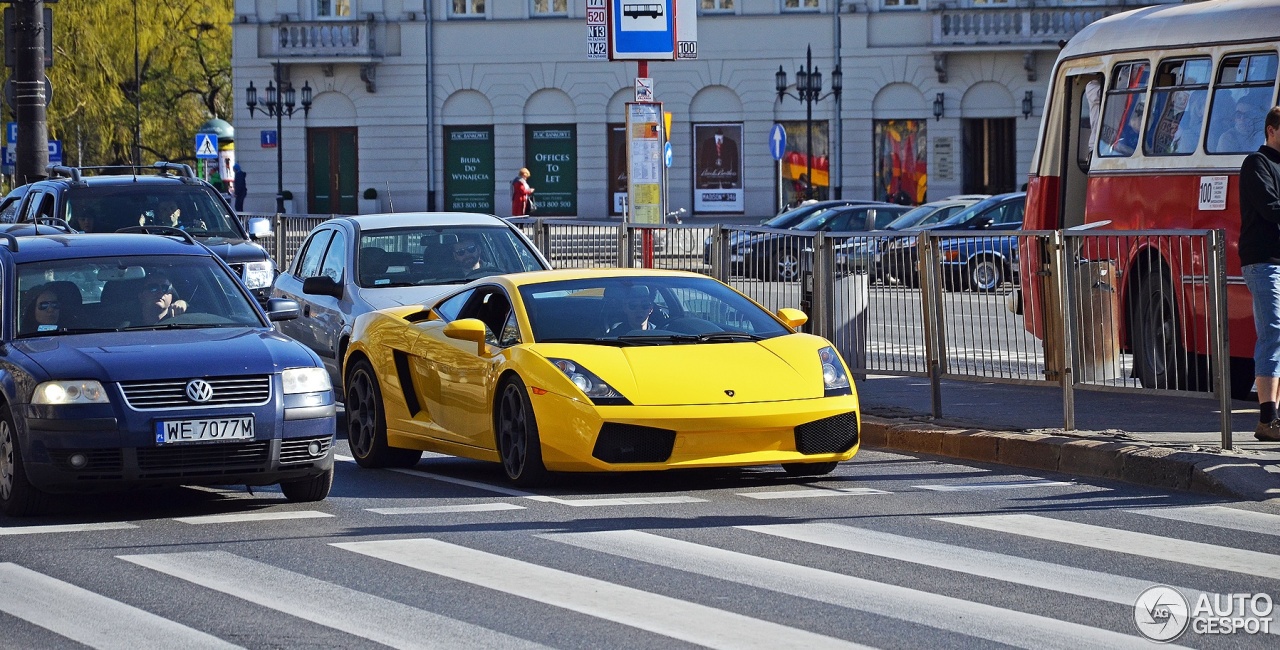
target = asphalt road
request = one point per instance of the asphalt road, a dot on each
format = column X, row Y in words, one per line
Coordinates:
column 891, row 551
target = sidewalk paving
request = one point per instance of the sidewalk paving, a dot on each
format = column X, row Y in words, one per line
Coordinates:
column 1161, row 441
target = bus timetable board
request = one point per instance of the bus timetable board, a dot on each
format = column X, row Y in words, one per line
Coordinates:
column 644, row 156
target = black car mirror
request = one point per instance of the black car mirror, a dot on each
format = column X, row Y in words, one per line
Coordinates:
column 322, row 285
column 982, row 222
column 282, row 309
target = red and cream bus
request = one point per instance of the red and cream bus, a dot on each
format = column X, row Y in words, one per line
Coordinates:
column 1178, row 95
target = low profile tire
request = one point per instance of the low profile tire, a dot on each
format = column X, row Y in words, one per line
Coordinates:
column 985, row 274
column 18, row 498
column 315, row 488
column 516, row 431
column 367, row 422
column 809, row 469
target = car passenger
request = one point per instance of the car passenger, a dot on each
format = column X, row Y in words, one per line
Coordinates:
column 42, row 311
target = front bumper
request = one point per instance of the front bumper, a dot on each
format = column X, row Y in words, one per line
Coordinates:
column 637, row 438
column 95, row 451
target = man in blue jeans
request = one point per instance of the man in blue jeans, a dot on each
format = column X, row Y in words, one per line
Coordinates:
column 1260, row 265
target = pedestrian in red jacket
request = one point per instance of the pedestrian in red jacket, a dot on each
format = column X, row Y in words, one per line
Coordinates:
column 521, row 194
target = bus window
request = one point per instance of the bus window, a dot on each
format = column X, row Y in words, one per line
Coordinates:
column 1178, row 98
column 1122, row 114
column 1241, row 97
column 1090, row 110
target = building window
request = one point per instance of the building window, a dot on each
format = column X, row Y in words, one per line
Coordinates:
column 473, row 8
column 545, row 8
column 799, row 5
column 715, row 6
column 899, row 4
column 333, row 8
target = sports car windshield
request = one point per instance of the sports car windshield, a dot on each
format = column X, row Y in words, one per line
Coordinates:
column 153, row 292
column 403, row 257
column 639, row 310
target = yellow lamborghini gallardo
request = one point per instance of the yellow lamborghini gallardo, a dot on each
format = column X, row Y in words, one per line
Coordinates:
column 597, row 370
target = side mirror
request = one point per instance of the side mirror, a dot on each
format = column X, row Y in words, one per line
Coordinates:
column 982, row 222
column 322, row 285
column 467, row 329
column 793, row 318
column 282, row 309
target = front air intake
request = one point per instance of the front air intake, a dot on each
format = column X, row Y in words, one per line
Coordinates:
column 631, row 443
column 834, row 435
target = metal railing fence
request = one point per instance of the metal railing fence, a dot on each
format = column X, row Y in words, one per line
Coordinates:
column 1094, row 310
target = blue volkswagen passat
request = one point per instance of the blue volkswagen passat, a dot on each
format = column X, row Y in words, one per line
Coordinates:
column 137, row 360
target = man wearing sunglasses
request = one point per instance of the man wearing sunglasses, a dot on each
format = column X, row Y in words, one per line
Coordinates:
column 467, row 256
column 158, row 300
column 634, row 306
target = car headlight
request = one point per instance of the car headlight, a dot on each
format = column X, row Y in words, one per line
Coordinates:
column 73, row 391
column 258, row 275
column 835, row 381
column 589, row 383
column 305, row 380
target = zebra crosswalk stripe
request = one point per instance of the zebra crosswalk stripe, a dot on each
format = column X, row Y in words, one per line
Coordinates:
column 1010, row 627
column 1122, row 541
column 89, row 618
column 1097, row 585
column 1219, row 516
column 643, row 610
column 357, row 613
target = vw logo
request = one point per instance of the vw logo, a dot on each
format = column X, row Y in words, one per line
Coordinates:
column 199, row 390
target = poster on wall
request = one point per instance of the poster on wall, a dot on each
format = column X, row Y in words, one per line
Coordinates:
column 551, row 154
column 468, row 169
column 717, row 169
column 617, row 169
column 796, row 163
column 901, row 155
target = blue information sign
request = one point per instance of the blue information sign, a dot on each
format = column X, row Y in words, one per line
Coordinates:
column 11, row 133
column 643, row 29
column 777, row 141
column 269, row 139
column 55, row 152
column 666, row 154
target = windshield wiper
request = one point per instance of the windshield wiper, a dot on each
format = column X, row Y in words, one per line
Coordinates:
column 176, row 326
column 654, row 339
column 586, row 340
column 718, row 337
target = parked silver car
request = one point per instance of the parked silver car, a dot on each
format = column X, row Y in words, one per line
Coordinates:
column 348, row 266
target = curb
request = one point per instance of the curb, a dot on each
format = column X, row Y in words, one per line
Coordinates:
column 1216, row 474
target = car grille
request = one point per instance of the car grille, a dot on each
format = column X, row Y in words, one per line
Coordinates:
column 295, row 451
column 103, row 463
column 227, row 391
column 833, row 435
column 630, row 443
column 204, row 460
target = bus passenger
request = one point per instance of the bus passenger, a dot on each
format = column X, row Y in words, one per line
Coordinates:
column 1245, row 133
column 1260, row 266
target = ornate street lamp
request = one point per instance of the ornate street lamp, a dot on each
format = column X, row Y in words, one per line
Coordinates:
column 278, row 104
column 809, row 90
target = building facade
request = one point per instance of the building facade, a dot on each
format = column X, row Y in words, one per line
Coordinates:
column 437, row 105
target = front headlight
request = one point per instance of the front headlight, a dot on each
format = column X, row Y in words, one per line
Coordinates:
column 588, row 382
column 258, row 275
column 73, row 391
column 835, row 381
column 305, row 380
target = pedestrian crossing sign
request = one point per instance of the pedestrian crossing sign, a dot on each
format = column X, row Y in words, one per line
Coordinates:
column 206, row 145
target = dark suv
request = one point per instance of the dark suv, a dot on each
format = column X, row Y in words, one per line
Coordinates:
column 101, row 200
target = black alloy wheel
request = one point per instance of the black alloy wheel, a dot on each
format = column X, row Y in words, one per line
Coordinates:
column 367, row 422
column 516, row 430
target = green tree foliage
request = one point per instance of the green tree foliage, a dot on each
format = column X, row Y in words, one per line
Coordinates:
column 184, row 55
